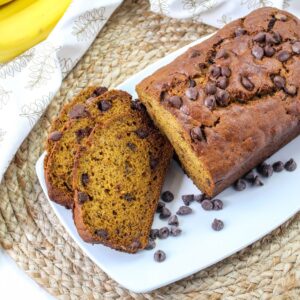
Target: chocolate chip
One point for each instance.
(160, 206)
(82, 197)
(102, 233)
(280, 17)
(249, 176)
(217, 204)
(138, 105)
(154, 234)
(195, 53)
(191, 93)
(225, 71)
(167, 196)
(296, 47)
(141, 133)
(175, 231)
(77, 111)
(173, 220)
(104, 105)
(85, 179)
(192, 83)
(210, 88)
(129, 197)
(240, 31)
(277, 38)
(265, 170)
(217, 225)
(290, 165)
(184, 210)
(257, 181)
(269, 51)
(215, 71)
(197, 134)
(271, 23)
(82, 132)
(279, 81)
(151, 245)
(131, 146)
(283, 55)
(153, 163)
(290, 90)
(175, 101)
(222, 54)
(274, 38)
(199, 198)
(260, 37)
(55, 136)
(210, 102)
(207, 204)
(163, 233)
(222, 82)
(187, 199)
(246, 83)
(278, 166)
(222, 97)
(165, 213)
(99, 91)
(240, 185)
(159, 256)
(257, 52)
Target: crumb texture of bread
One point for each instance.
(118, 175)
(231, 101)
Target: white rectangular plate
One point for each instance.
(247, 215)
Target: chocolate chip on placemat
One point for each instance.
(173, 220)
(167, 196)
(257, 181)
(283, 55)
(102, 233)
(240, 31)
(165, 213)
(78, 111)
(82, 197)
(210, 102)
(280, 17)
(85, 179)
(290, 165)
(279, 81)
(269, 51)
(175, 101)
(159, 256)
(175, 231)
(141, 133)
(225, 71)
(265, 170)
(163, 232)
(217, 204)
(290, 90)
(55, 136)
(199, 198)
(187, 199)
(207, 204)
(222, 82)
(246, 83)
(260, 37)
(99, 91)
(240, 185)
(154, 234)
(151, 245)
(222, 53)
(184, 210)
(160, 206)
(217, 225)
(191, 93)
(249, 176)
(222, 97)
(257, 52)
(296, 47)
(278, 166)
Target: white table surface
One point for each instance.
(15, 284)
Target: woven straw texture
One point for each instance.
(33, 236)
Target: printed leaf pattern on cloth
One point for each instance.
(34, 110)
(4, 97)
(224, 20)
(286, 4)
(160, 6)
(66, 65)
(16, 65)
(41, 67)
(253, 4)
(88, 24)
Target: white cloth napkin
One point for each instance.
(29, 82)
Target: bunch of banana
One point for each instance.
(25, 23)
(2, 2)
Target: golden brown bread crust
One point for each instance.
(125, 222)
(253, 108)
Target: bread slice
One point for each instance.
(118, 176)
(81, 120)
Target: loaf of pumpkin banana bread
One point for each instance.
(231, 101)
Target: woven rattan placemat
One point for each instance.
(32, 235)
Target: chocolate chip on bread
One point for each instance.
(118, 175)
(231, 101)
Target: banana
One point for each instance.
(2, 2)
(14, 7)
(28, 26)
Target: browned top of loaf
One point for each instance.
(252, 106)
(118, 175)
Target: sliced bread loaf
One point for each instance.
(118, 175)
